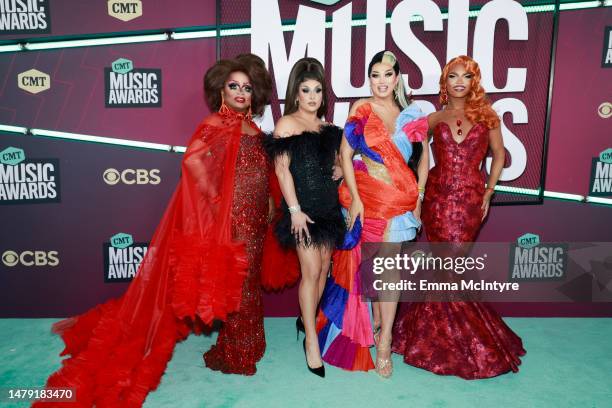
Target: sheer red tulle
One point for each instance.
(193, 273)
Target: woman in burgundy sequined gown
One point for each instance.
(241, 342)
(203, 263)
(466, 339)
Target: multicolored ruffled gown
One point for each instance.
(388, 189)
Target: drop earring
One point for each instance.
(443, 97)
(224, 109)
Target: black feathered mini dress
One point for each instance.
(312, 156)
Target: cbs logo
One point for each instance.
(30, 258)
(131, 176)
(605, 110)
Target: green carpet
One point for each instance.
(568, 364)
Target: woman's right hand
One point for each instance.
(299, 226)
(355, 211)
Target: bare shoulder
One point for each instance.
(286, 126)
(434, 118)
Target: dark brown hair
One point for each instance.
(250, 65)
(303, 70)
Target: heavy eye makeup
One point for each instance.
(467, 75)
(388, 74)
(234, 86)
(307, 90)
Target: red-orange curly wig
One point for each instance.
(477, 105)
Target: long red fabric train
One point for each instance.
(192, 274)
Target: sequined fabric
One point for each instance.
(455, 186)
(241, 342)
(466, 339)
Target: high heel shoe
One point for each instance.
(320, 371)
(384, 366)
(299, 327)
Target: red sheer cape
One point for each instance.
(192, 274)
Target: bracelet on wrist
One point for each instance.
(294, 209)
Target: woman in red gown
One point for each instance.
(466, 339)
(203, 263)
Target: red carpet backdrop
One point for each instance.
(98, 98)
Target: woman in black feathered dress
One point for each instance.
(305, 150)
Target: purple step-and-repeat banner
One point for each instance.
(76, 217)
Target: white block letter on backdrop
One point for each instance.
(267, 36)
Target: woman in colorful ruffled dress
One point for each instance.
(381, 194)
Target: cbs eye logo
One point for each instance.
(131, 176)
(30, 258)
(605, 110)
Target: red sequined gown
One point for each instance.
(241, 341)
(466, 339)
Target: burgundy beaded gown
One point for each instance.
(466, 339)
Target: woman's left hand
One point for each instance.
(417, 211)
(486, 201)
(337, 173)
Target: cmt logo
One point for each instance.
(33, 81)
(12, 155)
(528, 241)
(30, 258)
(131, 176)
(125, 10)
(122, 66)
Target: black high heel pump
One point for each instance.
(320, 371)
(299, 327)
